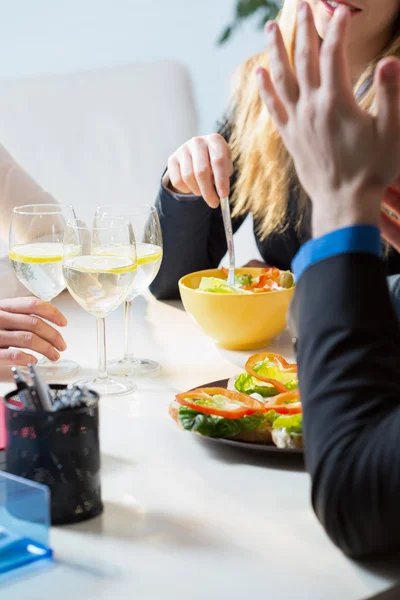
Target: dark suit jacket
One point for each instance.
(349, 371)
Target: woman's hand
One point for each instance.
(345, 157)
(22, 326)
(203, 166)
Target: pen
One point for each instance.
(44, 397)
(24, 393)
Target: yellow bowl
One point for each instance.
(236, 322)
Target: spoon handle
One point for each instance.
(226, 216)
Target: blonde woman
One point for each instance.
(25, 321)
(248, 160)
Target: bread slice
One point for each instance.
(262, 435)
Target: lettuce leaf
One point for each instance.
(247, 384)
(292, 423)
(243, 279)
(217, 401)
(219, 286)
(212, 426)
(292, 385)
(272, 416)
(269, 369)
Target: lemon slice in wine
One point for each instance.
(37, 253)
(148, 253)
(116, 265)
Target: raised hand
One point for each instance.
(344, 157)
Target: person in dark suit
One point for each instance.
(348, 337)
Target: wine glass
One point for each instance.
(99, 269)
(36, 254)
(147, 230)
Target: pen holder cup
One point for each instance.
(58, 449)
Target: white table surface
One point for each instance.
(185, 517)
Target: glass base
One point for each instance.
(108, 386)
(133, 367)
(56, 370)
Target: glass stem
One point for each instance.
(128, 326)
(101, 349)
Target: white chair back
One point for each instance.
(101, 136)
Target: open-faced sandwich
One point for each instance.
(262, 406)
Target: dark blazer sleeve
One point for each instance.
(193, 236)
(349, 372)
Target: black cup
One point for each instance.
(58, 449)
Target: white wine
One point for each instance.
(99, 283)
(38, 266)
(149, 257)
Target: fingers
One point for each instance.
(21, 326)
(388, 98)
(29, 340)
(16, 357)
(221, 163)
(334, 68)
(175, 175)
(32, 324)
(203, 166)
(390, 229)
(281, 72)
(188, 171)
(307, 51)
(271, 99)
(34, 306)
(203, 173)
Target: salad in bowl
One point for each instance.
(269, 279)
(246, 316)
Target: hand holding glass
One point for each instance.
(36, 254)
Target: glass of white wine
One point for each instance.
(36, 254)
(149, 248)
(99, 269)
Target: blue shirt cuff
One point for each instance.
(359, 239)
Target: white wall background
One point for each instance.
(53, 36)
(57, 36)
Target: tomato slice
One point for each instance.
(286, 404)
(225, 271)
(272, 272)
(245, 404)
(262, 281)
(277, 360)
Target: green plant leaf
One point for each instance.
(225, 35)
(246, 8)
(268, 9)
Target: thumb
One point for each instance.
(387, 81)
